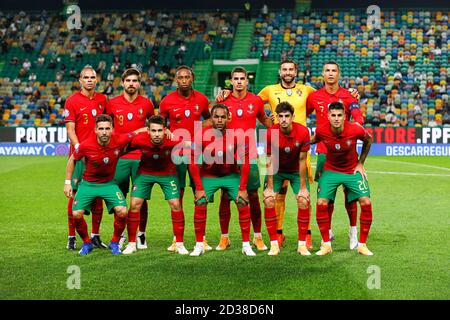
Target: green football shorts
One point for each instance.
(356, 186)
(229, 184)
(88, 191)
(182, 165)
(293, 178)
(321, 158)
(77, 174)
(142, 187)
(125, 169)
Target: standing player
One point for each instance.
(156, 166)
(221, 151)
(80, 112)
(342, 166)
(319, 101)
(287, 149)
(100, 153)
(182, 109)
(245, 107)
(130, 111)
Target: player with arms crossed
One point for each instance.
(182, 109)
(245, 107)
(156, 166)
(80, 112)
(100, 152)
(342, 166)
(318, 101)
(221, 151)
(287, 149)
(130, 111)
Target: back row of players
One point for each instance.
(102, 164)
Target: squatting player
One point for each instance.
(156, 167)
(221, 151)
(342, 166)
(80, 112)
(182, 109)
(100, 153)
(287, 149)
(245, 107)
(130, 111)
(318, 101)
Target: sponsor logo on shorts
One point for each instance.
(135, 187)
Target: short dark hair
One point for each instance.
(284, 107)
(239, 69)
(336, 106)
(288, 61)
(220, 106)
(333, 62)
(87, 67)
(185, 67)
(130, 72)
(103, 118)
(157, 119)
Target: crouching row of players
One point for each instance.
(288, 144)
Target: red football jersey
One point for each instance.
(130, 116)
(156, 159)
(341, 149)
(289, 146)
(220, 156)
(101, 161)
(321, 99)
(184, 112)
(83, 110)
(244, 113)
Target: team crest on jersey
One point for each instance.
(116, 152)
(337, 146)
(289, 92)
(287, 149)
(94, 112)
(240, 112)
(106, 160)
(129, 116)
(187, 113)
(156, 156)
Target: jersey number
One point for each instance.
(85, 118)
(120, 119)
(119, 196)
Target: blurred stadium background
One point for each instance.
(401, 70)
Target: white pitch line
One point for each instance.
(411, 163)
(411, 173)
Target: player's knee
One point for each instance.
(364, 201)
(121, 212)
(269, 202)
(175, 205)
(136, 204)
(78, 214)
(302, 203)
(322, 201)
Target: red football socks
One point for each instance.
(178, 225)
(224, 215)
(119, 225)
(97, 215)
(199, 222)
(81, 226)
(255, 212)
(323, 220)
(365, 221)
(302, 223)
(270, 217)
(132, 225)
(70, 222)
(244, 222)
(352, 211)
(143, 217)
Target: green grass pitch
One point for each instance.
(409, 238)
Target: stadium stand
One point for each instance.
(401, 71)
